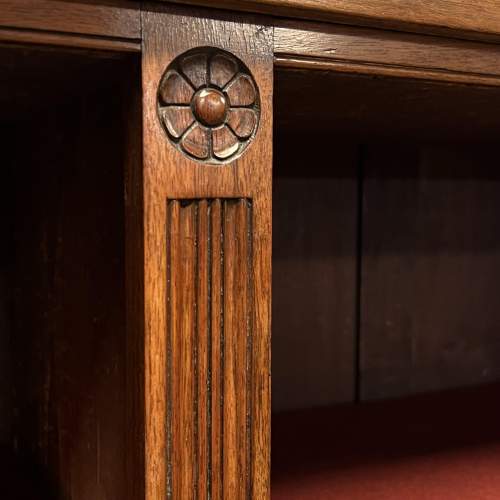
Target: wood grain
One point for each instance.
(238, 339)
(452, 17)
(203, 352)
(32, 37)
(134, 283)
(198, 348)
(110, 18)
(350, 68)
(370, 109)
(320, 46)
(186, 282)
(431, 269)
(217, 348)
(68, 317)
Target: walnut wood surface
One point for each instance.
(111, 18)
(43, 38)
(457, 17)
(370, 51)
(186, 201)
(209, 105)
(210, 332)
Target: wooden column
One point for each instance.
(207, 254)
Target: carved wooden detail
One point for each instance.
(210, 315)
(207, 255)
(209, 105)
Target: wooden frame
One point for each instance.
(377, 52)
(196, 210)
(199, 235)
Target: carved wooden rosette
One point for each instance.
(208, 104)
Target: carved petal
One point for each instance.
(225, 143)
(196, 142)
(242, 121)
(222, 69)
(195, 68)
(242, 91)
(175, 90)
(177, 119)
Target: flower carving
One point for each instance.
(209, 106)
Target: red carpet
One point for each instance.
(433, 447)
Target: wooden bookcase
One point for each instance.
(176, 175)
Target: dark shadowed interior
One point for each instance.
(62, 273)
(386, 278)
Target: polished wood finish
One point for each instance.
(385, 71)
(376, 52)
(42, 38)
(210, 331)
(442, 16)
(186, 202)
(179, 401)
(110, 18)
(210, 107)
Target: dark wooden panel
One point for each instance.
(27, 73)
(69, 314)
(376, 108)
(314, 275)
(431, 269)
(6, 256)
(131, 94)
(5, 357)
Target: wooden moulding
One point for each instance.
(457, 18)
(377, 52)
(92, 24)
(207, 278)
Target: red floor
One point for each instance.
(433, 447)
